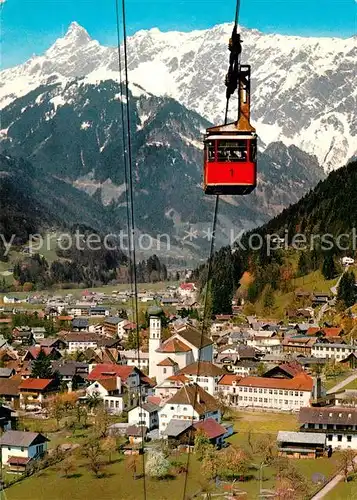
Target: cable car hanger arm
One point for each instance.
(235, 48)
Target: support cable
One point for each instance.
(126, 178)
(232, 83)
(132, 220)
(203, 331)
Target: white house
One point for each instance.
(191, 402)
(19, 448)
(265, 392)
(131, 358)
(339, 425)
(205, 374)
(146, 414)
(347, 261)
(110, 391)
(187, 290)
(81, 341)
(166, 368)
(38, 333)
(325, 350)
(265, 341)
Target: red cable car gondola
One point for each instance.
(230, 151)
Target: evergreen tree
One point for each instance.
(41, 367)
(346, 293)
(222, 282)
(329, 270)
(268, 299)
(303, 265)
(132, 341)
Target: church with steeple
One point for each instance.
(184, 347)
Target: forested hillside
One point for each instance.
(314, 233)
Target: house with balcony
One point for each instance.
(38, 333)
(113, 326)
(338, 424)
(34, 391)
(80, 341)
(300, 344)
(131, 377)
(133, 358)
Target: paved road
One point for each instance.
(342, 384)
(321, 313)
(326, 306)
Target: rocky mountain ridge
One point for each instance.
(303, 88)
(73, 132)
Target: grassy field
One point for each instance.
(117, 481)
(263, 422)
(312, 282)
(351, 385)
(76, 292)
(270, 423)
(343, 491)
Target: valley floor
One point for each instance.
(117, 482)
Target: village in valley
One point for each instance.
(258, 407)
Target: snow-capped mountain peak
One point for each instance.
(75, 37)
(303, 89)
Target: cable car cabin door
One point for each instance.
(230, 165)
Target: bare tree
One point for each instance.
(132, 464)
(101, 422)
(210, 464)
(222, 402)
(68, 466)
(346, 461)
(235, 462)
(109, 446)
(93, 452)
(291, 484)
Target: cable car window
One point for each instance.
(253, 151)
(229, 151)
(210, 150)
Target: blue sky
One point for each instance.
(31, 26)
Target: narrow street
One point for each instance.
(342, 384)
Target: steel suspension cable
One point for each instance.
(208, 283)
(203, 331)
(132, 222)
(126, 178)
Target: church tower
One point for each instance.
(154, 343)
